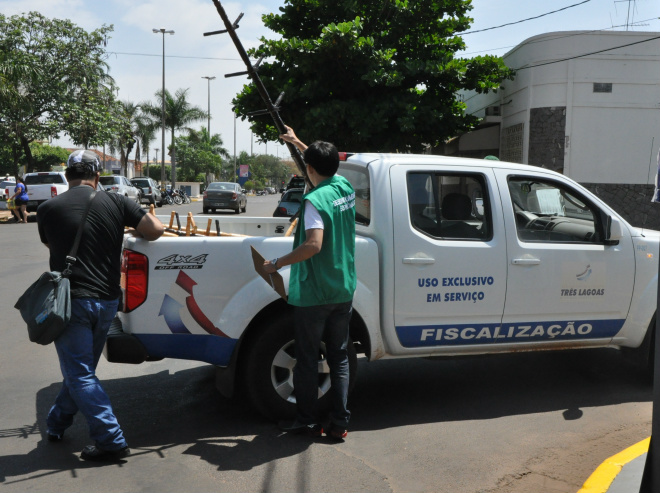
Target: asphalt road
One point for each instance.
(521, 423)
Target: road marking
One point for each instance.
(602, 478)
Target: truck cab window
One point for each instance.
(549, 212)
(359, 180)
(449, 206)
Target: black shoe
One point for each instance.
(52, 437)
(297, 428)
(335, 432)
(93, 453)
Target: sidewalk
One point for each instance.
(621, 473)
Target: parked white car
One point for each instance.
(7, 189)
(121, 185)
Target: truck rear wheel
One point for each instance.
(268, 374)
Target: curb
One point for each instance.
(601, 479)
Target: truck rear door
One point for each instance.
(450, 261)
(566, 285)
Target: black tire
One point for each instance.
(268, 371)
(205, 210)
(152, 201)
(237, 210)
(160, 204)
(642, 358)
(244, 208)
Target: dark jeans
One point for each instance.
(312, 325)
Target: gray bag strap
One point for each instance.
(71, 258)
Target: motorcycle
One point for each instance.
(184, 196)
(167, 195)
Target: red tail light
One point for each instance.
(205, 194)
(134, 279)
(234, 196)
(53, 192)
(282, 211)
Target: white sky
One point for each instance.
(136, 59)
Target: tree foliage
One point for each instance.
(370, 75)
(53, 79)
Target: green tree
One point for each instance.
(128, 115)
(198, 154)
(370, 75)
(178, 114)
(46, 156)
(145, 135)
(53, 79)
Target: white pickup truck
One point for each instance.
(42, 186)
(454, 257)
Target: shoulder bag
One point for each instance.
(46, 304)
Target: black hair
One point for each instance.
(20, 180)
(323, 157)
(80, 171)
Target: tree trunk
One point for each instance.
(28, 154)
(173, 162)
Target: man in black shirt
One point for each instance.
(94, 296)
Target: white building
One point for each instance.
(585, 103)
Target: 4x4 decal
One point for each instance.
(177, 261)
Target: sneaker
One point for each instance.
(297, 428)
(336, 432)
(93, 453)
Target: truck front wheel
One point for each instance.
(268, 374)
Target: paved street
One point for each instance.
(521, 423)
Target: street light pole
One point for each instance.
(235, 168)
(162, 30)
(208, 128)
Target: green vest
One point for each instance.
(329, 276)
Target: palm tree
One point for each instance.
(178, 114)
(145, 134)
(214, 144)
(125, 140)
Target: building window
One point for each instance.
(602, 87)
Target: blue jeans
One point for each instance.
(330, 324)
(79, 349)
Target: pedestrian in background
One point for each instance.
(20, 199)
(321, 288)
(94, 297)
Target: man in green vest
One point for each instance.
(321, 287)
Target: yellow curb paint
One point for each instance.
(602, 478)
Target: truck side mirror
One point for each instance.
(614, 232)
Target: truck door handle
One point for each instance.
(418, 260)
(526, 261)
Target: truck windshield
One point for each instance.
(43, 179)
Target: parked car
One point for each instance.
(289, 203)
(43, 186)
(121, 185)
(224, 195)
(7, 189)
(150, 191)
(295, 182)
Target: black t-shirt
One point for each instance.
(97, 269)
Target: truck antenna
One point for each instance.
(252, 71)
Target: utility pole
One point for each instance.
(163, 31)
(208, 128)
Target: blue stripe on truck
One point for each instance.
(211, 349)
(472, 334)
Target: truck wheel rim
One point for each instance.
(281, 372)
